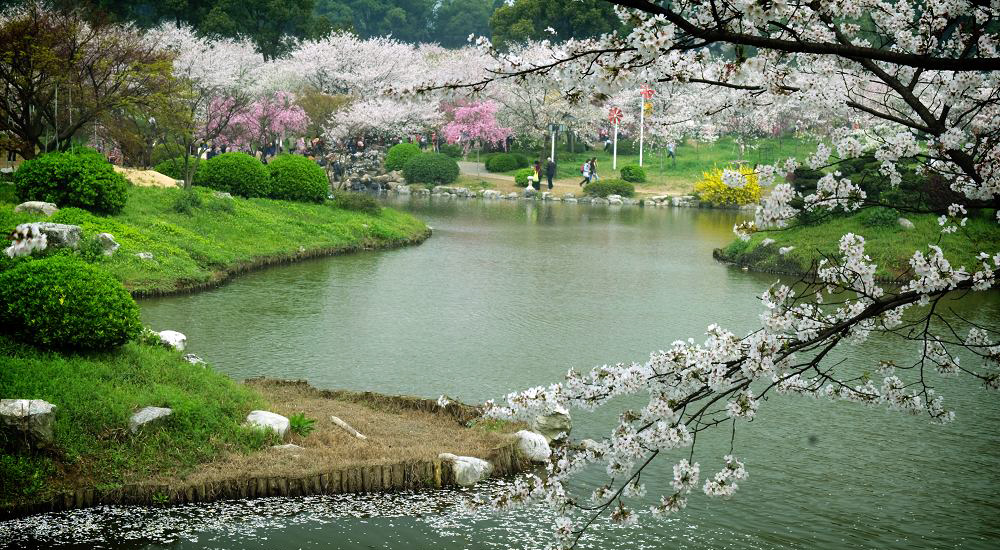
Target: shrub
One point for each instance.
(62, 302)
(301, 425)
(236, 173)
(804, 179)
(521, 176)
(296, 178)
(633, 173)
(603, 188)
(522, 160)
(504, 162)
(359, 202)
(165, 151)
(430, 168)
(880, 216)
(713, 190)
(175, 167)
(450, 149)
(396, 157)
(84, 179)
(186, 202)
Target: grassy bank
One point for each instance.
(204, 441)
(202, 241)
(889, 247)
(97, 393)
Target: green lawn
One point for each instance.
(889, 247)
(693, 158)
(97, 393)
(202, 243)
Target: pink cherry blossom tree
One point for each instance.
(475, 123)
(269, 118)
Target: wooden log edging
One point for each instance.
(507, 460)
(416, 475)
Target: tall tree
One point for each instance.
(406, 20)
(455, 20)
(59, 74)
(272, 25)
(526, 20)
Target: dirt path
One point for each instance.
(475, 171)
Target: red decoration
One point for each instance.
(646, 92)
(615, 115)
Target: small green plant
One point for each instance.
(453, 151)
(880, 216)
(603, 188)
(186, 202)
(633, 173)
(236, 173)
(22, 475)
(521, 177)
(301, 425)
(504, 162)
(84, 179)
(431, 168)
(91, 250)
(359, 202)
(160, 498)
(62, 302)
(396, 157)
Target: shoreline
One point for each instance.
(220, 278)
(309, 478)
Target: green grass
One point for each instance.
(96, 394)
(693, 158)
(219, 235)
(890, 248)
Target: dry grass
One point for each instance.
(395, 435)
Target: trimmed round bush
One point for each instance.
(431, 168)
(236, 173)
(603, 188)
(296, 178)
(83, 178)
(633, 173)
(62, 302)
(175, 167)
(521, 176)
(396, 157)
(450, 149)
(505, 162)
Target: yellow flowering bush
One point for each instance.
(713, 190)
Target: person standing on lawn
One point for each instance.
(550, 171)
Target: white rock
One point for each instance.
(221, 195)
(287, 447)
(108, 243)
(533, 445)
(37, 207)
(570, 199)
(30, 419)
(614, 197)
(588, 444)
(268, 421)
(767, 242)
(147, 415)
(403, 190)
(554, 425)
(546, 196)
(785, 250)
(569, 196)
(616, 202)
(469, 470)
(144, 255)
(193, 359)
(173, 339)
(598, 200)
(57, 234)
(512, 195)
(905, 223)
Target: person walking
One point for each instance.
(538, 176)
(672, 154)
(593, 169)
(585, 170)
(550, 171)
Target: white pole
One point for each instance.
(614, 150)
(552, 155)
(642, 125)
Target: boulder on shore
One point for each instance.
(469, 470)
(28, 422)
(905, 223)
(269, 421)
(59, 235)
(555, 425)
(173, 339)
(37, 207)
(146, 415)
(108, 243)
(533, 446)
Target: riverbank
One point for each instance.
(797, 250)
(171, 241)
(204, 450)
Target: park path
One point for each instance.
(478, 170)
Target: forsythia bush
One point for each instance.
(713, 190)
